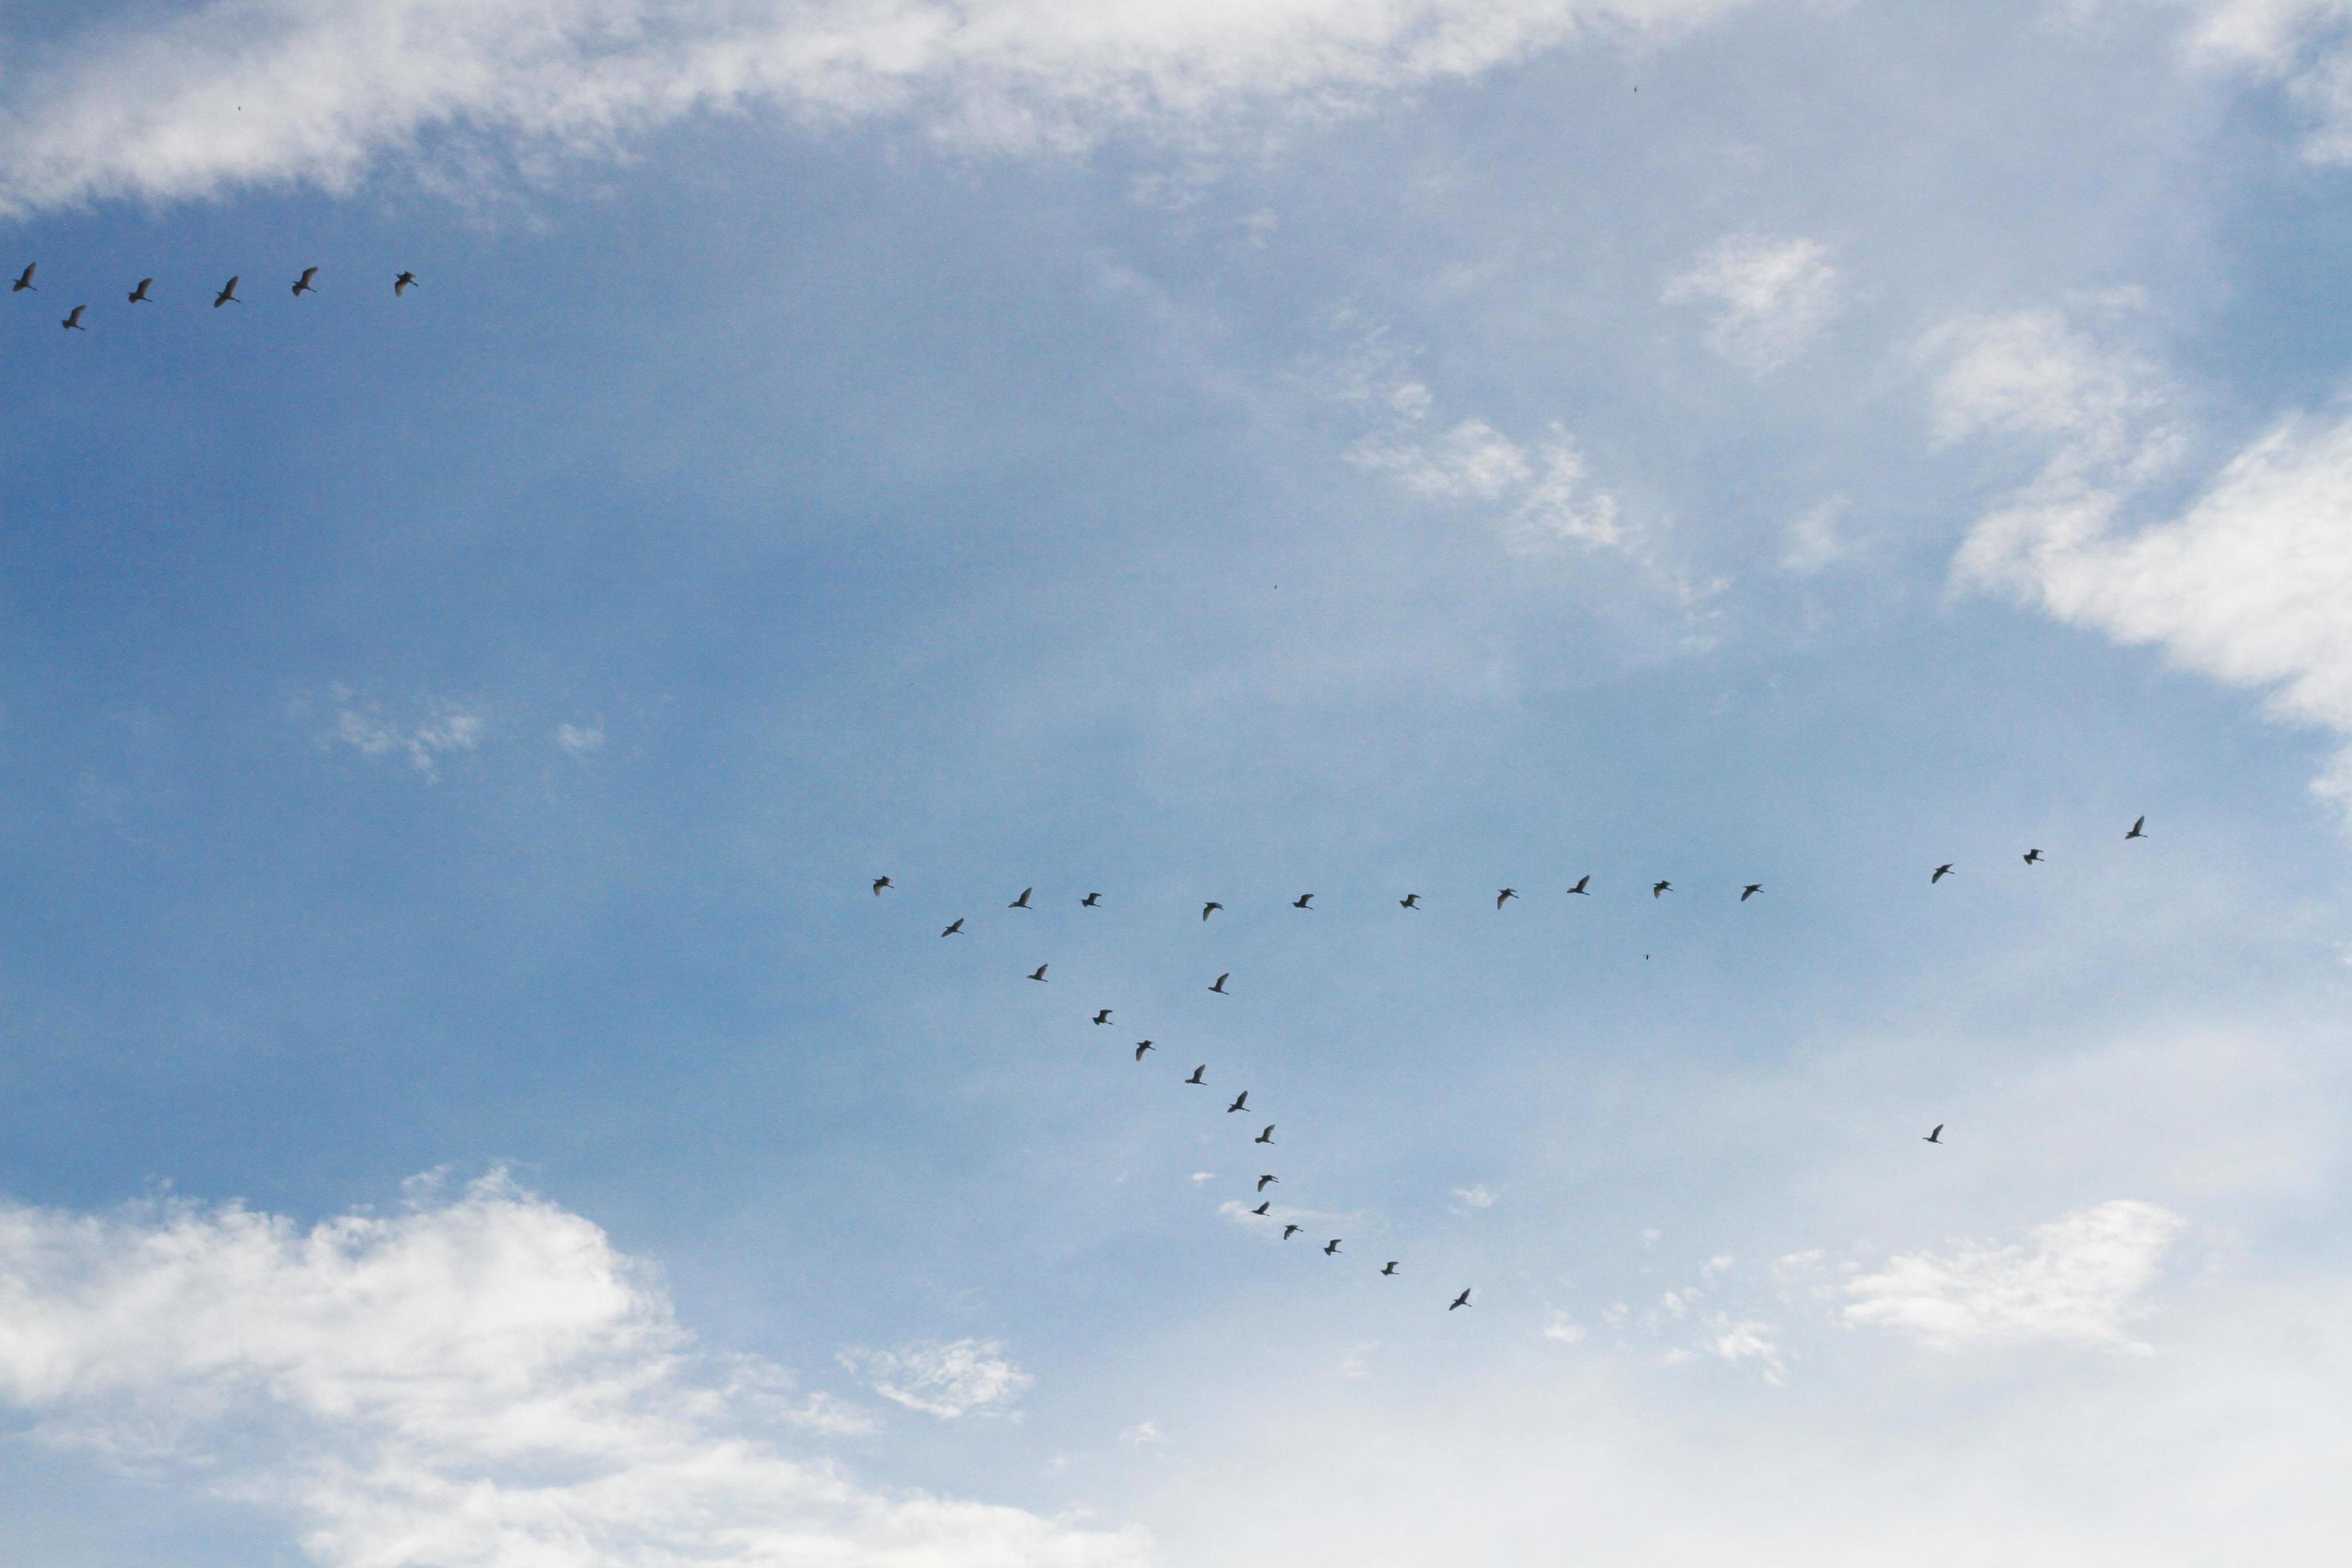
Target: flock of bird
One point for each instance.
(308, 283)
(1199, 1076)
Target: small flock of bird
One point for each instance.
(1305, 902)
(308, 283)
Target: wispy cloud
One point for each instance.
(441, 730)
(948, 1380)
(581, 741)
(1771, 298)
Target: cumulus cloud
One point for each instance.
(2303, 46)
(581, 741)
(2076, 1280)
(946, 1380)
(472, 1382)
(1476, 1196)
(443, 729)
(1771, 298)
(167, 106)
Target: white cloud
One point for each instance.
(581, 741)
(946, 1380)
(2077, 1279)
(273, 93)
(1476, 1197)
(2303, 46)
(445, 729)
(1771, 297)
(473, 1383)
(1745, 1340)
(1143, 1435)
(1561, 1329)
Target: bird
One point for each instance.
(1265, 1181)
(1090, 900)
(1288, 1231)
(1040, 974)
(880, 883)
(72, 322)
(1934, 1137)
(1410, 901)
(1389, 1269)
(1022, 901)
(1942, 871)
(1260, 1208)
(1580, 887)
(1332, 1248)
(2034, 857)
(1241, 1102)
(1142, 1047)
(1211, 906)
(227, 296)
(1750, 891)
(23, 279)
(1103, 1016)
(403, 284)
(1505, 896)
(138, 296)
(1302, 901)
(1199, 1075)
(1220, 986)
(1659, 890)
(1267, 1136)
(1461, 1300)
(955, 929)
(2138, 830)
(303, 285)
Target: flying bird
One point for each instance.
(1241, 1102)
(2139, 830)
(1332, 1248)
(1659, 890)
(1750, 891)
(1211, 906)
(880, 883)
(303, 285)
(1265, 1181)
(1581, 881)
(1288, 1231)
(1461, 1300)
(227, 296)
(1302, 901)
(1022, 901)
(1142, 1047)
(1506, 896)
(955, 929)
(72, 322)
(1199, 1075)
(23, 278)
(1942, 871)
(1934, 1137)
(1410, 901)
(403, 284)
(1220, 986)
(1090, 900)
(138, 296)
(1260, 1208)
(1267, 1136)
(2034, 857)
(1103, 1016)
(1040, 974)
(1389, 1269)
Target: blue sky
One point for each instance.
(462, 1105)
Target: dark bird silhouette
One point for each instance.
(1265, 1181)
(1659, 890)
(2034, 857)
(138, 296)
(1220, 986)
(227, 296)
(2139, 830)
(1090, 900)
(403, 284)
(1199, 1075)
(72, 322)
(955, 929)
(303, 285)
(1410, 901)
(1260, 1210)
(1211, 906)
(1288, 1231)
(1332, 1248)
(1022, 901)
(1103, 1016)
(1302, 901)
(1942, 871)
(1142, 1047)
(1039, 974)
(1750, 891)
(1389, 1269)
(1505, 896)
(1267, 1136)
(1241, 1102)
(1461, 1300)
(1580, 887)
(880, 883)
(1934, 1137)
(23, 279)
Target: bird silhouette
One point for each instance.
(880, 883)
(1220, 986)
(138, 296)
(1103, 1016)
(1389, 1269)
(1332, 1248)
(1199, 1075)
(227, 296)
(1505, 896)
(1142, 1047)
(403, 284)
(1461, 1300)
(1750, 891)
(955, 929)
(1288, 1231)
(2034, 857)
(1410, 901)
(1241, 1102)
(1659, 890)
(1265, 1181)
(1260, 1210)
(1211, 906)
(1934, 1137)
(1267, 1136)
(1090, 900)
(1942, 871)
(1039, 974)
(303, 285)
(72, 322)
(1302, 901)
(1022, 901)
(23, 279)
(1581, 882)
(2139, 830)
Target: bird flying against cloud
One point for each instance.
(1461, 1300)
(1022, 901)
(1505, 896)
(1241, 1102)
(1934, 1137)
(1220, 986)
(303, 285)
(1260, 1210)
(954, 930)
(2139, 830)
(72, 322)
(227, 296)
(138, 296)
(1942, 871)
(1040, 972)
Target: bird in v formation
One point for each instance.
(307, 283)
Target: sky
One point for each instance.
(463, 1106)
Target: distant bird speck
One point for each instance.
(1090, 900)
(403, 284)
(1022, 901)
(1942, 871)
(1659, 890)
(1265, 1181)
(1267, 1136)
(1241, 1102)
(2034, 857)
(72, 322)
(1390, 1269)
(303, 285)
(1260, 1210)
(1934, 1137)
(1103, 1016)
(1199, 1075)
(1332, 1248)
(1289, 1230)
(2139, 830)
(954, 930)
(880, 883)
(1142, 1047)
(1039, 975)
(1750, 891)
(1410, 901)
(1505, 896)
(138, 296)
(1461, 1300)
(1220, 986)
(1302, 901)
(1211, 906)
(23, 278)
(1580, 885)
(227, 296)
